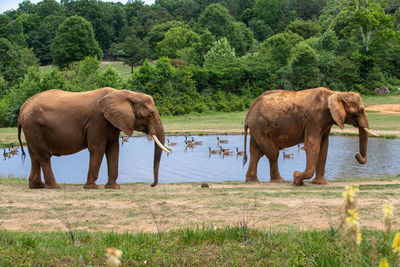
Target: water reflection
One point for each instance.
(197, 164)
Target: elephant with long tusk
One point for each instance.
(279, 119)
(60, 123)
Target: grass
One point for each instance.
(197, 246)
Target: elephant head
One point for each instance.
(129, 111)
(349, 108)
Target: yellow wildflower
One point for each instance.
(388, 211)
(359, 236)
(352, 220)
(396, 243)
(350, 193)
(383, 263)
(113, 256)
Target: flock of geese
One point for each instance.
(11, 152)
(192, 143)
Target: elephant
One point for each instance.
(57, 122)
(383, 90)
(279, 119)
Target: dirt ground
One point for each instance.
(136, 207)
(386, 108)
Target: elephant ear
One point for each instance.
(335, 105)
(118, 110)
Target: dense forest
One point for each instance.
(196, 56)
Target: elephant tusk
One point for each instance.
(371, 132)
(159, 144)
(167, 147)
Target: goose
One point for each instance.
(225, 151)
(197, 143)
(13, 151)
(239, 153)
(221, 141)
(189, 144)
(287, 156)
(124, 139)
(213, 151)
(188, 141)
(5, 154)
(300, 147)
(171, 144)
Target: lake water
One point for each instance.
(197, 165)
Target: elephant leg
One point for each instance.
(49, 180)
(96, 157)
(271, 150)
(35, 180)
(255, 155)
(319, 179)
(312, 146)
(112, 153)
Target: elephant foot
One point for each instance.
(90, 186)
(277, 180)
(297, 178)
(112, 186)
(36, 184)
(252, 178)
(319, 181)
(52, 186)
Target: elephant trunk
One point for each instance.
(157, 152)
(363, 139)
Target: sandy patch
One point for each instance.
(386, 108)
(134, 208)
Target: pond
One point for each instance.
(197, 165)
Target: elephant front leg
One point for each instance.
(112, 153)
(319, 179)
(96, 157)
(312, 148)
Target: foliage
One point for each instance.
(176, 39)
(305, 29)
(219, 51)
(110, 78)
(74, 41)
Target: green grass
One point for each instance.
(201, 246)
(379, 100)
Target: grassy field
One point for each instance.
(227, 224)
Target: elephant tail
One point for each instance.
(245, 143)
(20, 142)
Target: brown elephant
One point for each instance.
(279, 119)
(59, 123)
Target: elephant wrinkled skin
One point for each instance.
(59, 123)
(279, 119)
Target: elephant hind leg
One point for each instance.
(255, 155)
(49, 180)
(35, 180)
(271, 151)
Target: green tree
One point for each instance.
(219, 51)
(270, 11)
(277, 48)
(176, 39)
(134, 50)
(157, 32)
(74, 41)
(305, 29)
(110, 78)
(303, 67)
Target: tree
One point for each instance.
(176, 39)
(305, 29)
(219, 51)
(269, 11)
(303, 64)
(134, 50)
(42, 38)
(157, 32)
(74, 41)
